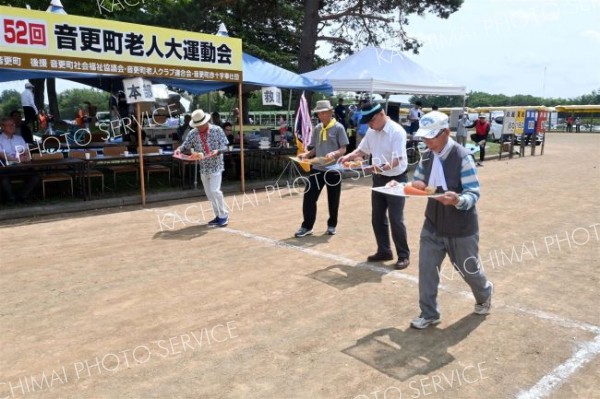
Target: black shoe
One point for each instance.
(378, 257)
(331, 231)
(402, 264)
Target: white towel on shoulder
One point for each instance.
(437, 178)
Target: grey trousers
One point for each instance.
(464, 255)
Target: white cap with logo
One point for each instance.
(431, 123)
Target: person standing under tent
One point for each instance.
(207, 143)
(29, 109)
(578, 125)
(340, 113)
(569, 124)
(329, 140)
(414, 115)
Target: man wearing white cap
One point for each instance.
(328, 140)
(29, 109)
(385, 141)
(206, 143)
(451, 223)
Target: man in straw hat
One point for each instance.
(451, 223)
(386, 142)
(206, 143)
(328, 140)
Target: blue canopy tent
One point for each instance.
(256, 73)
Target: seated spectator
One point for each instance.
(216, 119)
(21, 129)
(14, 149)
(80, 118)
(184, 129)
(228, 130)
(43, 121)
(131, 131)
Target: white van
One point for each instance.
(496, 125)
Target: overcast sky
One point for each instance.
(503, 46)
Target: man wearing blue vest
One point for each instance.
(451, 223)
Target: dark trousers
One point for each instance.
(316, 181)
(477, 139)
(30, 183)
(383, 205)
(414, 126)
(31, 117)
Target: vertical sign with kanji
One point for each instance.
(519, 121)
(508, 124)
(271, 96)
(138, 90)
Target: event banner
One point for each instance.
(40, 40)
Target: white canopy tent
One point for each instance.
(382, 71)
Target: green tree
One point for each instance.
(351, 24)
(69, 101)
(10, 100)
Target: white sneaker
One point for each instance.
(484, 308)
(422, 323)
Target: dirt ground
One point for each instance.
(151, 303)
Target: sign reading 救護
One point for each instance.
(46, 41)
(138, 90)
(271, 96)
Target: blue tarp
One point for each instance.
(256, 73)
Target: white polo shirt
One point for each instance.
(10, 145)
(386, 145)
(27, 100)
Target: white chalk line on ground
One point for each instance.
(544, 387)
(560, 374)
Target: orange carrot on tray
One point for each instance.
(410, 190)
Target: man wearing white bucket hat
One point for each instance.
(451, 223)
(208, 143)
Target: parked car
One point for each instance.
(496, 127)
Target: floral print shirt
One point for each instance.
(216, 141)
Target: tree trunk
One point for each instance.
(308, 44)
(52, 98)
(38, 92)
